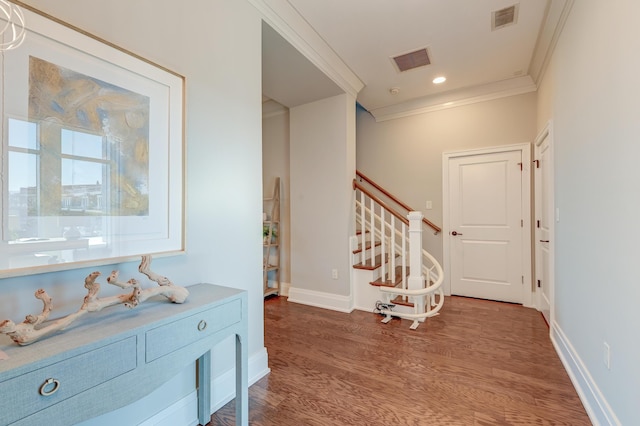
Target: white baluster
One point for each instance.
(383, 242)
(372, 228)
(392, 243)
(363, 227)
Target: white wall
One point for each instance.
(216, 45)
(594, 90)
(405, 155)
(322, 167)
(275, 163)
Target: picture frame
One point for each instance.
(92, 152)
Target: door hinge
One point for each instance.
(539, 284)
(520, 164)
(522, 278)
(521, 223)
(537, 224)
(537, 163)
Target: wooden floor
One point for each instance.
(478, 363)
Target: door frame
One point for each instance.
(527, 263)
(547, 132)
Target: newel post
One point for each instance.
(416, 279)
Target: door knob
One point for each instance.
(454, 233)
(544, 241)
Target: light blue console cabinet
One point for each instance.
(109, 359)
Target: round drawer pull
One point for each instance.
(49, 387)
(202, 325)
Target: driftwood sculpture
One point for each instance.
(33, 327)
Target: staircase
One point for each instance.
(392, 272)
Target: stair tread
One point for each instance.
(367, 266)
(366, 247)
(380, 282)
(402, 300)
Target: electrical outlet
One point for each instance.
(334, 274)
(607, 356)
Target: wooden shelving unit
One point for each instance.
(271, 243)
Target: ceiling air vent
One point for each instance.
(411, 60)
(504, 17)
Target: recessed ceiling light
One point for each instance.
(439, 80)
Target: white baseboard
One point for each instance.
(223, 389)
(284, 289)
(594, 402)
(331, 301)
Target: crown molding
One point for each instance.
(456, 98)
(555, 18)
(283, 18)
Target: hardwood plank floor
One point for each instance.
(478, 363)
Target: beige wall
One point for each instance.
(405, 155)
(322, 165)
(275, 163)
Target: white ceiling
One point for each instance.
(478, 62)
(289, 77)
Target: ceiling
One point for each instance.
(478, 62)
(289, 77)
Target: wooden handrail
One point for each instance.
(398, 216)
(397, 201)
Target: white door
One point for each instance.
(543, 224)
(485, 223)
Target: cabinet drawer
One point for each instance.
(22, 395)
(165, 339)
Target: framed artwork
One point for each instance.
(92, 152)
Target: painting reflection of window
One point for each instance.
(83, 172)
(23, 179)
(76, 169)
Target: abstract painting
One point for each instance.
(62, 99)
(92, 152)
